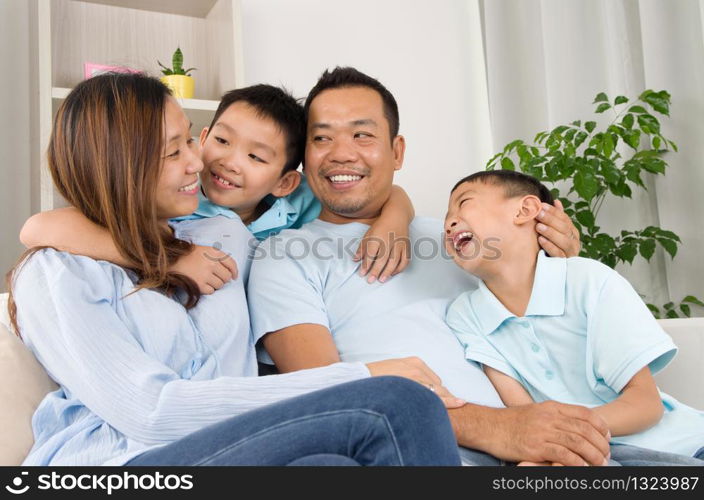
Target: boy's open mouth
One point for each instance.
(459, 240)
(344, 180)
(222, 182)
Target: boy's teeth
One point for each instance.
(190, 187)
(227, 183)
(460, 237)
(345, 178)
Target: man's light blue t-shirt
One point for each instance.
(288, 212)
(585, 334)
(309, 276)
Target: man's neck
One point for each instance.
(334, 218)
(512, 283)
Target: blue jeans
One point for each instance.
(632, 455)
(621, 454)
(375, 421)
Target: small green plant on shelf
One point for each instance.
(588, 161)
(176, 65)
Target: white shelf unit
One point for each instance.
(132, 33)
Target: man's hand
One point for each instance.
(415, 369)
(558, 235)
(208, 267)
(543, 432)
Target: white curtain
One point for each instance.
(545, 60)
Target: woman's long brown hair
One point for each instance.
(105, 156)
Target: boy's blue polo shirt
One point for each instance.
(289, 212)
(585, 334)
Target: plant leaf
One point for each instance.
(654, 310)
(647, 248)
(648, 123)
(177, 61)
(686, 310)
(669, 245)
(637, 109)
(601, 97)
(627, 121)
(691, 299)
(602, 107)
(585, 183)
(580, 138)
(654, 165)
(507, 164)
(627, 252)
(620, 100)
(631, 137)
(586, 218)
(608, 145)
(660, 101)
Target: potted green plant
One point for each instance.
(589, 163)
(179, 80)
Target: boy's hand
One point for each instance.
(558, 235)
(208, 267)
(384, 251)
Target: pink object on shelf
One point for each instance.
(92, 69)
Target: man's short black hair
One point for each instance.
(343, 77)
(278, 105)
(514, 184)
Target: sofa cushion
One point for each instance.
(23, 384)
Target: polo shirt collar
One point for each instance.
(547, 297)
(207, 208)
(280, 215)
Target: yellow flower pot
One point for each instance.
(182, 86)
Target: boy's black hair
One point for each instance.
(514, 183)
(343, 77)
(278, 105)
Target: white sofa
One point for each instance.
(24, 381)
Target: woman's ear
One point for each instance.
(287, 184)
(528, 209)
(203, 136)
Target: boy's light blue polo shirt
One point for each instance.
(288, 212)
(585, 334)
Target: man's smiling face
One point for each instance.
(350, 158)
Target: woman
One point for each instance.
(150, 373)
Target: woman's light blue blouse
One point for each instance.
(136, 370)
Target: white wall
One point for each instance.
(14, 129)
(428, 54)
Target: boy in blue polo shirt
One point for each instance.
(250, 155)
(569, 330)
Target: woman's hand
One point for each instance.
(415, 369)
(558, 235)
(208, 267)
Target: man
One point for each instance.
(310, 308)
